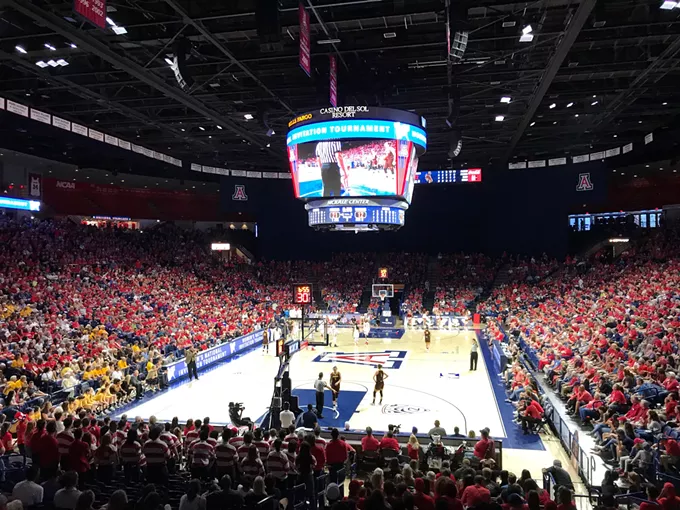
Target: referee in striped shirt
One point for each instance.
(327, 152)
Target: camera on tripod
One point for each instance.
(236, 415)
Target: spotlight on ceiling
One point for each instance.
(526, 38)
(668, 5)
(500, 118)
(20, 49)
(553, 105)
(248, 116)
(527, 30)
(505, 99)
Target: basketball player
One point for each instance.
(334, 334)
(388, 162)
(367, 328)
(328, 154)
(427, 339)
(379, 380)
(355, 333)
(336, 379)
(265, 340)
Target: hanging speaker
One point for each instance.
(267, 21)
(180, 68)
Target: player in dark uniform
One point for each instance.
(336, 379)
(265, 340)
(379, 380)
(427, 338)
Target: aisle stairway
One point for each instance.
(503, 276)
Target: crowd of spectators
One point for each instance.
(605, 334)
(462, 278)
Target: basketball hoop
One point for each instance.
(382, 294)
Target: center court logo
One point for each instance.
(386, 359)
(403, 409)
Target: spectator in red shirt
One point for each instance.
(476, 495)
(672, 455)
(390, 443)
(318, 453)
(369, 443)
(337, 451)
(48, 450)
(79, 453)
(532, 414)
(484, 447)
(564, 499)
(422, 501)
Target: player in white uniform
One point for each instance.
(334, 334)
(355, 333)
(367, 328)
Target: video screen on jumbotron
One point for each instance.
(355, 157)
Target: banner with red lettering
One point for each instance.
(305, 41)
(334, 81)
(93, 11)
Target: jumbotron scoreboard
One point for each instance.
(355, 166)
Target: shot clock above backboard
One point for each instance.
(302, 293)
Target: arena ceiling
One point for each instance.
(594, 71)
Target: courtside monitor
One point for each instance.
(355, 152)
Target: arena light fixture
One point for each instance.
(248, 116)
(500, 118)
(73, 45)
(62, 62)
(53, 63)
(668, 5)
(594, 103)
(110, 21)
(20, 49)
(50, 47)
(527, 29)
(328, 41)
(169, 62)
(506, 99)
(201, 128)
(619, 240)
(532, 124)
(41, 64)
(526, 38)
(553, 105)
(219, 127)
(119, 30)
(220, 246)
(570, 105)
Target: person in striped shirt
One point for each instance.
(201, 455)
(245, 447)
(173, 445)
(277, 462)
(157, 454)
(235, 440)
(252, 466)
(318, 440)
(261, 445)
(131, 457)
(328, 154)
(106, 459)
(214, 438)
(65, 439)
(192, 435)
(226, 456)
